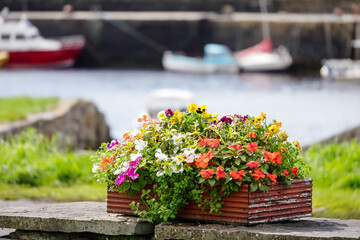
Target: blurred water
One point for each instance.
(309, 108)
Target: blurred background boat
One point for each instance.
(262, 57)
(4, 56)
(27, 48)
(217, 58)
(341, 69)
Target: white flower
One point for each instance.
(190, 155)
(140, 144)
(117, 172)
(134, 156)
(160, 173)
(95, 168)
(160, 155)
(134, 132)
(161, 116)
(177, 138)
(124, 166)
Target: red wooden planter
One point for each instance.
(245, 207)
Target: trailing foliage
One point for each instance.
(18, 108)
(188, 155)
(32, 159)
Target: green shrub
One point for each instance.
(35, 160)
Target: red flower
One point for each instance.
(202, 142)
(220, 172)
(258, 174)
(212, 142)
(203, 161)
(252, 147)
(252, 164)
(276, 157)
(294, 171)
(252, 135)
(286, 172)
(272, 177)
(267, 155)
(206, 173)
(236, 146)
(237, 175)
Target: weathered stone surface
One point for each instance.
(72, 218)
(306, 228)
(78, 120)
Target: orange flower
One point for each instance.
(126, 137)
(143, 119)
(202, 142)
(286, 172)
(258, 174)
(294, 171)
(275, 157)
(105, 160)
(203, 161)
(252, 147)
(236, 146)
(252, 164)
(206, 173)
(272, 177)
(212, 142)
(252, 134)
(237, 175)
(220, 172)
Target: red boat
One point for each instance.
(27, 48)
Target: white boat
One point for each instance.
(27, 48)
(258, 61)
(217, 58)
(341, 69)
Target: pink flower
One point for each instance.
(132, 174)
(135, 162)
(113, 143)
(121, 178)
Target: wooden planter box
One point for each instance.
(244, 207)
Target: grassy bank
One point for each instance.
(17, 108)
(33, 166)
(336, 175)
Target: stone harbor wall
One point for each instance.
(78, 123)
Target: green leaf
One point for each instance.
(237, 161)
(136, 186)
(253, 187)
(211, 182)
(202, 180)
(243, 157)
(147, 137)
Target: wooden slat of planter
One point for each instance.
(280, 203)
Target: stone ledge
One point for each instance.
(72, 218)
(306, 228)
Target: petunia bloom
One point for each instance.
(169, 113)
(252, 147)
(252, 134)
(135, 162)
(206, 173)
(272, 177)
(286, 172)
(274, 157)
(252, 164)
(113, 143)
(212, 142)
(105, 160)
(220, 172)
(294, 171)
(258, 174)
(120, 179)
(237, 175)
(201, 142)
(132, 174)
(236, 146)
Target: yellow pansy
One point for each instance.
(273, 128)
(192, 107)
(296, 143)
(284, 134)
(178, 115)
(201, 109)
(262, 116)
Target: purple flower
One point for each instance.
(169, 113)
(135, 162)
(132, 174)
(121, 178)
(243, 119)
(113, 143)
(226, 119)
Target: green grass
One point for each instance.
(336, 179)
(33, 166)
(17, 108)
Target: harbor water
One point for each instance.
(311, 109)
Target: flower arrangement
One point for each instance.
(185, 155)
